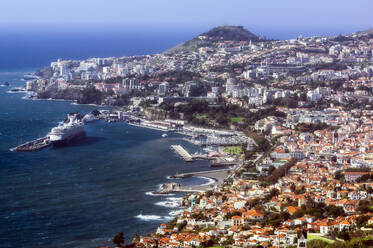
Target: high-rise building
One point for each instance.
(131, 83)
(163, 88)
(230, 85)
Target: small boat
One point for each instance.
(17, 90)
(164, 135)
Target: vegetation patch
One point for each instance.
(201, 117)
(312, 237)
(236, 119)
(237, 150)
(217, 114)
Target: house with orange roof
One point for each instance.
(344, 225)
(148, 242)
(237, 220)
(327, 226)
(253, 214)
(292, 209)
(351, 176)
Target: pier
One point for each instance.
(182, 153)
(210, 173)
(217, 175)
(34, 145)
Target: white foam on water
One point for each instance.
(176, 212)
(90, 104)
(174, 199)
(210, 181)
(153, 217)
(169, 178)
(168, 204)
(154, 194)
(171, 202)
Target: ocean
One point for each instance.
(81, 195)
(36, 47)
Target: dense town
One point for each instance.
(307, 105)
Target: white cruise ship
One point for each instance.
(71, 129)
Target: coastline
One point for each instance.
(212, 181)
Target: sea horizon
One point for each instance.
(37, 46)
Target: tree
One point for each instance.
(271, 169)
(90, 95)
(221, 119)
(363, 178)
(335, 211)
(279, 172)
(274, 192)
(362, 220)
(338, 175)
(228, 241)
(122, 100)
(370, 190)
(119, 239)
(364, 206)
(343, 235)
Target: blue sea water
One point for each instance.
(22, 47)
(80, 195)
(37, 46)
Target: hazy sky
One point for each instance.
(340, 14)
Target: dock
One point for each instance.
(33, 145)
(223, 163)
(209, 173)
(182, 153)
(217, 175)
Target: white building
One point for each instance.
(163, 88)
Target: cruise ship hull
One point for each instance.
(68, 140)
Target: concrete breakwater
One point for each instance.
(182, 153)
(33, 145)
(217, 176)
